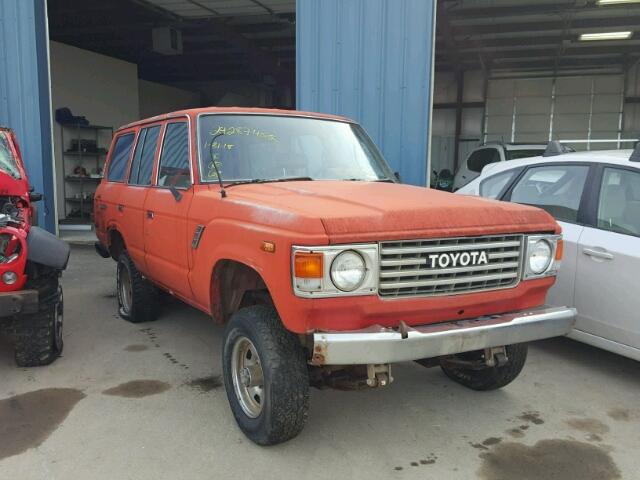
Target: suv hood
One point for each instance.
(373, 211)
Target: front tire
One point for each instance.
(38, 336)
(138, 299)
(265, 376)
(489, 378)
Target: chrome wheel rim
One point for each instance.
(125, 289)
(248, 377)
(59, 320)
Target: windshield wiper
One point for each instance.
(269, 180)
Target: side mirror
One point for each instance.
(397, 175)
(35, 196)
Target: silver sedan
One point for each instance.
(595, 196)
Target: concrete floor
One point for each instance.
(573, 413)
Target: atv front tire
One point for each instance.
(38, 336)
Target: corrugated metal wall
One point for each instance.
(24, 93)
(371, 60)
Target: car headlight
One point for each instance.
(9, 278)
(543, 255)
(336, 270)
(348, 270)
(539, 256)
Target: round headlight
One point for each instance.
(9, 278)
(348, 271)
(539, 256)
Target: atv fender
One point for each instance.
(47, 249)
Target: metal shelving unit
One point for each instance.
(79, 188)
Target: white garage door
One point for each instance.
(538, 110)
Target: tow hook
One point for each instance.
(379, 375)
(495, 357)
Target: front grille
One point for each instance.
(446, 266)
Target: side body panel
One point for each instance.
(166, 239)
(607, 286)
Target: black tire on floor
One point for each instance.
(38, 336)
(284, 389)
(138, 299)
(490, 378)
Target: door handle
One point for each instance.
(120, 207)
(149, 214)
(601, 254)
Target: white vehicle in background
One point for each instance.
(595, 196)
(492, 153)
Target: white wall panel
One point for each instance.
(101, 88)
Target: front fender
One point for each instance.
(226, 239)
(46, 249)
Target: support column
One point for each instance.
(372, 61)
(25, 103)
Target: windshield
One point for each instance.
(516, 154)
(7, 161)
(265, 147)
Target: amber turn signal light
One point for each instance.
(559, 250)
(308, 265)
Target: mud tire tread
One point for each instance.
(33, 334)
(286, 376)
(145, 299)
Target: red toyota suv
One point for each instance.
(290, 228)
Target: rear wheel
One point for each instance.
(38, 336)
(265, 376)
(137, 297)
(487, 378)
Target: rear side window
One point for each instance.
(619, 205)
(175, 168)
(120, 158)
(480, 159)
(516, 154)
(492, 187)
(142, 165)
(556, 189)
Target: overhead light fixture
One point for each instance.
(614, 2)
(590, 37)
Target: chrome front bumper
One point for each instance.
(385, 345)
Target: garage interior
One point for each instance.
(118, 61)
(505, 71)
(518, 71)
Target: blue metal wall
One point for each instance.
(371, 60)
(25, 103)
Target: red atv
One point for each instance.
(31, 262)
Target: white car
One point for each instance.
(595, 196)
(492, 153)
